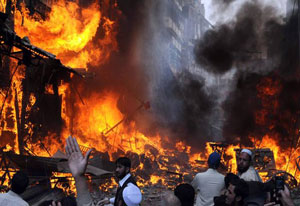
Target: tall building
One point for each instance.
(185, 23)
(195, 26)
(173, 22)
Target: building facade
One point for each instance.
(185, 23)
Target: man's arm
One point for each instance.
(77, 164)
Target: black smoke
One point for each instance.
(238, 43)
(183, 108)
(179, 105)
(260, 46)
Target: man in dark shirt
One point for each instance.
(128, 194)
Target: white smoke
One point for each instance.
(217, 14)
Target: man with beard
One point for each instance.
(249, 174)
(128, 194)
(245, 170)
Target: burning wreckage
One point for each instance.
(41, 70)
(43, 74)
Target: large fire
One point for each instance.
(69, 32)
(2, 5)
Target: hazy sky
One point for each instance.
(213, 16)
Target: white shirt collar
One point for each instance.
(122, 181)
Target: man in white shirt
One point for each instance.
(245, 170)
(210, 183)
(18, 186)
(128, 194)
(249, 174)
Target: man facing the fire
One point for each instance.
(128, 194)
(210, 183)
(245, 170)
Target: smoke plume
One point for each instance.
(261, 46)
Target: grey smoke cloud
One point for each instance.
(238, 43)
(261, 46)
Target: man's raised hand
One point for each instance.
(77, 162)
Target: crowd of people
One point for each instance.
(208, 188)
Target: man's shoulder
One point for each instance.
(251, 170)
(15, 200)
(250, 175)
(220, 174)
(3, 195)
(209, 173)
(215, 173)
(200, 174)
(131, 185)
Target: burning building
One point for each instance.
(138, 78)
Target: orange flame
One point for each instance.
(2, 5)
(285, 159)
(68, 33)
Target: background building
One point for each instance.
(185, 23)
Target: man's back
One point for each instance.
(208, 185)
(11, 199)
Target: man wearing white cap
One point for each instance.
(128, 194)
(249, 174)
(245, 170)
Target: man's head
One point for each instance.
(123, 165)
(19, 182)
(186, 194)
(229, 178)
(244, 160)
(214, 160)
(237, 191)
